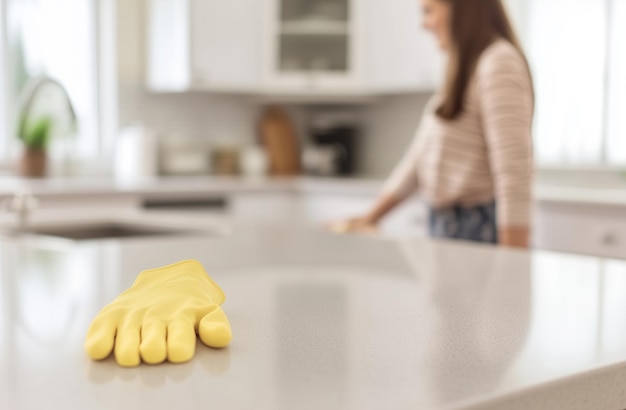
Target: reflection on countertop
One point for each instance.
(323, 321)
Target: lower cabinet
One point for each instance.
(264, 207)
(597, 230)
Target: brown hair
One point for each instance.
(475, 25)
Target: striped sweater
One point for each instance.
(483, 155)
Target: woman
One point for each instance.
(472, 155)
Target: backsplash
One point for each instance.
(217, 118)
(388, 129)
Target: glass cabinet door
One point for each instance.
(314, 40)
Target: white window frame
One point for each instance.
(6, 125)
(108, 77)
(106, 94)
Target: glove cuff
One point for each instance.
(186, 267)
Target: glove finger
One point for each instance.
(214, 329)
(153, 348)
(101, 336)
(127, 345)
(181, 341)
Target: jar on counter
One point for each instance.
(254, 161)
(226, 160)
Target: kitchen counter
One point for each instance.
(187, 185)
(324, 322)
(206, 185)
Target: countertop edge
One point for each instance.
(598, 389)
(206, 186)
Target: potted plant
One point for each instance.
(35, 136)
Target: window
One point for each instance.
(576, 50)
(56, 38)
(4, 123)
(616, 142)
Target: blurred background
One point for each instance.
(133, 90)
(199, 74)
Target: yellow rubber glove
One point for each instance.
(159, 316)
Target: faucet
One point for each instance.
(22, 204)
(32, 90)
(29, 96)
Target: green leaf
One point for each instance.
(37, 134)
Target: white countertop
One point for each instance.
(324, 322)
(189, 185)
(206, 185)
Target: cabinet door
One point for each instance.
(399, 55)
(167, 45)
(269, 207)
(311, 46)
(587, 230)
(227, 43)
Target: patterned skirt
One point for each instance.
(476, 223)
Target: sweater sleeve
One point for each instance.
(403, 180)
(506, 104)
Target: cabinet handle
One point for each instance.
(609, 239)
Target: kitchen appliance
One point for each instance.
(335, 133)
(321, 160)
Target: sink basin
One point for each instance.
(130, 225)
(107, 230)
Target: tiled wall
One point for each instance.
(389, 127)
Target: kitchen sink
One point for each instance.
(106, 230)
(111, 230)
(128, 224)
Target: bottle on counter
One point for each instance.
(136, 154)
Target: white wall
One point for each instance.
(389, 127)
(517, 11)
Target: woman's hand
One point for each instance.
(367, 224)
(361, 225)
(514, 237)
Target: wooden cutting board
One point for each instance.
(277, 134)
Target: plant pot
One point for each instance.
(33, 163)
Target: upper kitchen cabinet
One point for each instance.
(205, 45)
(343, 47)
(318, 49)
(313, 46)
(398, 55)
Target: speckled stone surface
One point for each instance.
(325, 322)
